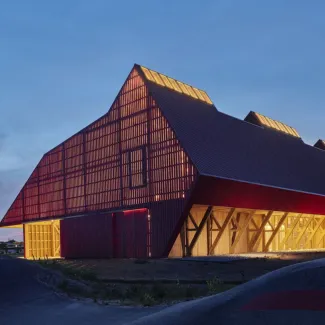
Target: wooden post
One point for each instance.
(259, 231)
(208, 234)
(222, 229)
(302, 232)
(182, 236)
(288, 234)
(200, 228)
(275, 231)
(312, 234)
(241, 231)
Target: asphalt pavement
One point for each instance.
(25, 301)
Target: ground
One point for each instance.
(23, 300)
(236, 269)
(291, 295)
(167, 281)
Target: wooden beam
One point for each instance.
(254, 224)
(302, 232)
(193, 221)
(255, 238)
(241, 231)
(272, 227)
(209, 227)
(288, 234)
(222, 229)
(186, 237)
(312, 234)
(182, 237)
(199, 229)
(53, 238)
(236, 228)
(275, 232)
(215, 221)
(320, 239)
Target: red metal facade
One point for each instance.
(122, 234)
(88, 237)
(224, 192)
(132, 234)
(129, 158)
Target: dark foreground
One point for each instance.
(23, 300)
(291, 295)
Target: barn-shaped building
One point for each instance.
(164, 173)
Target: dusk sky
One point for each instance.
(63, 62)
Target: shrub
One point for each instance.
(158, 291)
(214, 285)
(147, 300)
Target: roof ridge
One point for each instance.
(163, 80)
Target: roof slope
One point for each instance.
(223, 146)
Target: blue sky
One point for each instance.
(62, 63)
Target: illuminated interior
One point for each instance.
(266, 121)
(235, 231)
(42, 239)
(176, 85)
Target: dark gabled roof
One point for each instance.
(320, 144)
(223, 146)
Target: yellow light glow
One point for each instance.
(282, 127)
(176, 85)
(198, 93)
(182, 86)
(272, 123)
(276, 125)
(295, 132)
(157, 78)
(206, 97)
(191, 91)
(166, 81)
(148, 74)
(262, 119)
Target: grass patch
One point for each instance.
(214, 285)
(146, 294)
(70, 271)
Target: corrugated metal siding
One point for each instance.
(223, 192)
(165, 218)
(131, 232)
(89, 236)
(121, 235)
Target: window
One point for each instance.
(137, 167)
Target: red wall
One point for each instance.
(166, 220)
(121, 235)
(222, 192)
(87, 237)
(131, 234)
